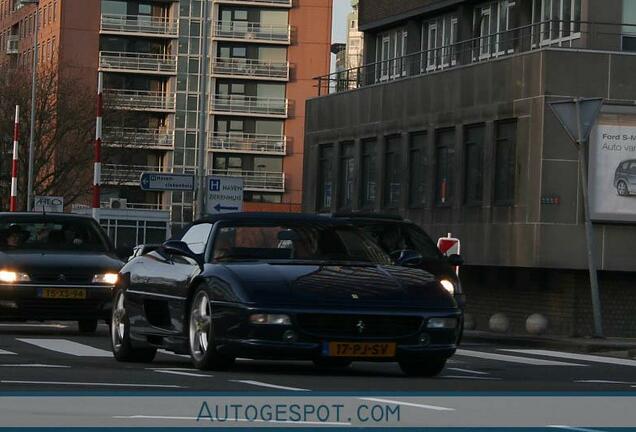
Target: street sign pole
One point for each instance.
(203, 114)
(582, 145)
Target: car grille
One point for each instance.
(359, 325)
(62, 278)
(60, 309)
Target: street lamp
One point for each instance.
(33, 83)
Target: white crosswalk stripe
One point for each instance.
(69, 347)
(574, 356)
(3, 352)
(513, 359)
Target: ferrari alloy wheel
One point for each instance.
(622, 189)
(201, 335)
(424, 367)
(120, 336)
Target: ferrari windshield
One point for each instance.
(295, 242)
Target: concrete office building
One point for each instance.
(448, 124)
(263, 55)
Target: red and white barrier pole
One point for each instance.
(97, 177)
(13, 201)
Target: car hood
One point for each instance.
(342, 286)
(45, 261)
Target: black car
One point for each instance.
(625, 178)
(408, 244)
(55, 267)
(281, 286)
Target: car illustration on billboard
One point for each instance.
(625, 178)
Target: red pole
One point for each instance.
(97, 178)
(13, 201)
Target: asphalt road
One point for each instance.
(55, 357)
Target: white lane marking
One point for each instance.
(470, 371)
(603, 382)
(262, 384)
(176, 372)
(150, 417)
(573, 356)
(3, 352)
(513, 359)
(410, 404)
(174, 354)
(471, 377)
(33, 365)
(68, 347)
(33, 325)
(572, 428)
(89, 384)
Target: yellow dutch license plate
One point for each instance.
(63, 293)
(361, 349)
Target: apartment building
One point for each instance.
(448, 123)
(263, 56)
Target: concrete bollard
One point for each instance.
(499, 323)
(469, 322)
(536, 324)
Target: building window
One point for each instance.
(368, 174)
(418, 169)
(325, 179)
(391, 50)
(560, 20)
(505, 162)
(491, 22)
(392, 172)
(473, 164)
(629, 31)
(444, 164)
(346, 175)
(438, 39)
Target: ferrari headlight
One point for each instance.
(442, 323)
(270, 319)
(13, 277)
(448, 285)
(106, 278)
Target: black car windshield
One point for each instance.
(300, 242)
(50, 233)
(392, 237)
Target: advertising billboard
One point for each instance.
(613, 170)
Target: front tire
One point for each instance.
(201, 335)
(622, 189)
(87, 326)
(422, 368)
(123, 350)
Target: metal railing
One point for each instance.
(139, 24)
(257, 181)
(129, 175)
(139, 100)
(240, 104)
(138, 138)
(284, 3)
(136, 206)
(237, 142)
(554, 34)
(243, 30)
(138, 62)
(250, 68)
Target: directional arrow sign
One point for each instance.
(224, 195)
(152, 181)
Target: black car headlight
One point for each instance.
(448, 285)
(106, 278)
(7, 276)
(442, 323)
(270, 319)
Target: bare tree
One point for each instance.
(64, 128)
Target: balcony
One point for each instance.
(269, 3)
(140, 100)
(111, 61)
(256, 181)
(159, 139)
(252, 32)
(237, 142)
(252, 106)
(139, 25)
(126, 175)
(13, 42)
(247, 68)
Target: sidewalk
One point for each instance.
(583, 344)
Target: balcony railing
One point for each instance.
(138, 138)
(256, 181)
(250, 68)
(126, 175)
(136, 206)
(547, 34)
(137, 62)
(233, 142)
(272, 3)
(250, 31)
(249, 105)
(139, 25)
(139, 100)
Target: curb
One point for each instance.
(579, 344)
